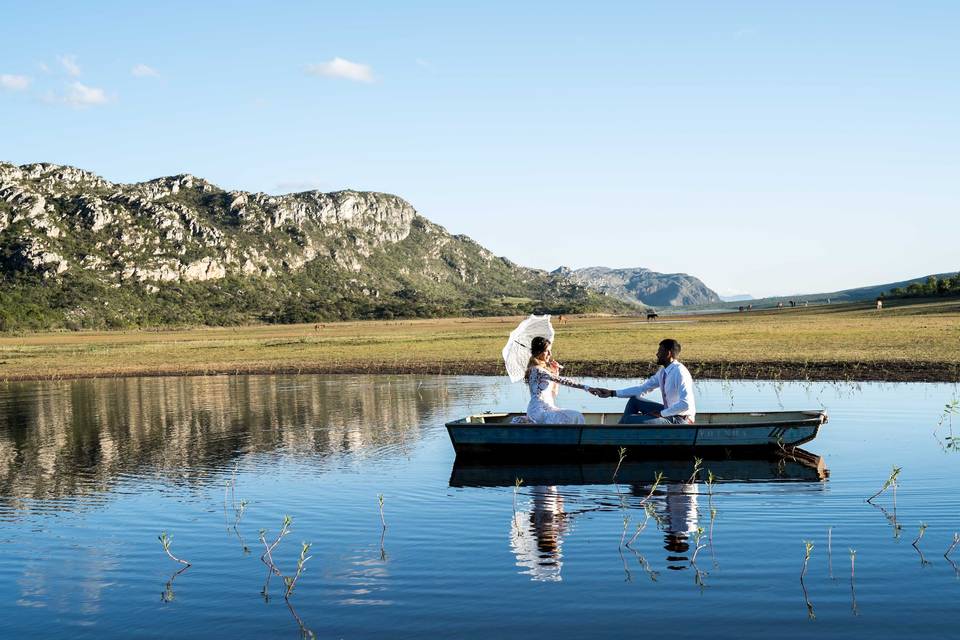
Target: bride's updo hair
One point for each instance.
(538, 347)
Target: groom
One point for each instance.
(676, 387)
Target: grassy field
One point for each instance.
(908, 340)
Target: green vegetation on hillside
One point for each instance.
(934, 286)
(318, 293)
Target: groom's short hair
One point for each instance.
(671, 345)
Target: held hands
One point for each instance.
(603, 393)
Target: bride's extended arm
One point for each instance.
(567, 382)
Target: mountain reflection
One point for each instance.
(63, 439)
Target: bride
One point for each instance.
(543, 379)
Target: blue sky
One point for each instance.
(766, 147)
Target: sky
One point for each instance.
(765, 147)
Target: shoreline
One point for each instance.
(786, 371)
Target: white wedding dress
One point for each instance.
(543, 393)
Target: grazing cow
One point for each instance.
(561, 319)
(652, 315)
(879, 304)
(740, 308)
(749, 307)
(779, 305)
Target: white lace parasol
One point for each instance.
(516, 353)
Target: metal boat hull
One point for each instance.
(720, 431)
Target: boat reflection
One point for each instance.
(797, 466)
(680, 503)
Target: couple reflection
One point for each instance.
(536, 535)
(681, 504)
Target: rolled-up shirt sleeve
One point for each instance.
(651, 383)
(684, 393)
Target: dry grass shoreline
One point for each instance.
(916, 341)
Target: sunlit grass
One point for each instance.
(918, 337)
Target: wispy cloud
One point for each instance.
(79, 96)
(340, 68)
(144, 71)
(69, 64)
(13, 82)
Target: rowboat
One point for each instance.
(754, 431)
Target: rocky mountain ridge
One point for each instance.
(71, 242)
(642, 286)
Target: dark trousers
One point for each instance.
(639, 411)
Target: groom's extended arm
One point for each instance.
(651, 383)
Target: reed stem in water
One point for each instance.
(165, 540)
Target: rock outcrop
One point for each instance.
(643, 286)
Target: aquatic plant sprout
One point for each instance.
(806, 557)
(165, 541)
(923, 528)
(697, 537)
(697, 466)
(950, 409)
(622, 455)
(383, 520)
(656, 483)
(830, 550)
(267, 557)
(640, 527)
(890, 482)
(956, 541)
(292, 582)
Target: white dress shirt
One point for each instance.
(676, 386)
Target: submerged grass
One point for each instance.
(836, 342)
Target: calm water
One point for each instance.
(91, 472)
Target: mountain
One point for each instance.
(740, 297)
(641, 286)
(79, 251)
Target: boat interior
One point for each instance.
(703, 419)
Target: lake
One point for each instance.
(92, 472)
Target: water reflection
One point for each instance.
(67, 439)
(680, 520)
(536, 536)
(537, 532)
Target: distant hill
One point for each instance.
(737, 298)
(873, 291)
(642, 286)
(858, 294)
(79, 251)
